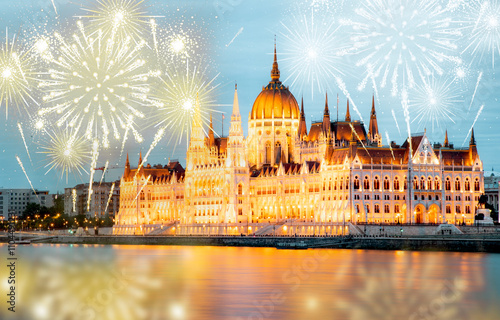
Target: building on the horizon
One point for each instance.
(16, 200)
(308, 180)
(492, 188)
(76, 199)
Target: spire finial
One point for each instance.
(347, 114)
(235, 85)
(275, 72)
(472, 139)
(302, 107)
(327, 111)
(446, 142)
(373, 105)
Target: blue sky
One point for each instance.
(248, 60)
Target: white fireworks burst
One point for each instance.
(177, 96)
(482, 29)
(120, 19)
(17, 76)
(402, 41)
(436, 103)
(97, 82)
(66, 151)
(313, 51)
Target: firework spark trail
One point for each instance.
(404, 104)
(24, 140)
(138, 193)
(475, 89)
(342, 87)
(389, 142)
(26, 174)
(54, 5)
(157, 139)
(234, 38)
(356, 134)
(110, 196)
(104, 171)
(95, 155)
(154, 26)
(473, 123)
(395, 120)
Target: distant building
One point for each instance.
(76, 199)
(17, 199)
(492, 187)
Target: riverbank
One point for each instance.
(458, 243)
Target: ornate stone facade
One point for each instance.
(282, 179)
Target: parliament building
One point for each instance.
(285, 178)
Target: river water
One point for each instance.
(181, 282)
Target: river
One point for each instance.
(182, 282)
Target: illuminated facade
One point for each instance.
(285, 177)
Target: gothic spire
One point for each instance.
(275, 72)
(326, 117)
(302, 121)
(235, 130)
(446, 143)
(211, 138)
(472, 139)
(373, 133)
(347, 114)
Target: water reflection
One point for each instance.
(168, 282)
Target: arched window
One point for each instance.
(448, 208)
(422, 183)
(240, 189)
(429, 183)
(277, 149)
(437, 185)
(457, 184)
(357, 208)
(335, 184)
(415, 183)
(376, 184)
(387, 183)
(347, 183)
(396, 208)
(367, 208)
(396, 184)
(356, 183)
(447, 184)
(405, 185)
(377, 208)
(467, 209)
(366, 183)
(476, 184)
(467, 184)
(268, 152)
(341, 183)
(386, 208)
(458, 209)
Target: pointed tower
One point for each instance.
(275, 72)
(127, 167)
(197, 136)
(237, 170)
(302, 122)
(211, 138)
(326, 118)
(347, 114)
(446, 143)
(140, 160)
(472, 149)
(373, 133)
(235, 144)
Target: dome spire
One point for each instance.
(275, 72)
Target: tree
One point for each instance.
(32, 209)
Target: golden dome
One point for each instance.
(275, 101)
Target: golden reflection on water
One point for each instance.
(175, 282)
